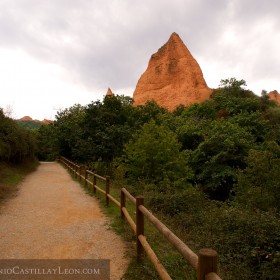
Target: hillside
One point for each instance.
(29, 123)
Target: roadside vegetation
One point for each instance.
(209, 171)
(18, 148)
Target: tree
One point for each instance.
(258, 185)
(232, 83)
(68, 131)
(48, 142)
(107, 127)
(150, 111)
(217, 159)
(16, 143)
(153, 155)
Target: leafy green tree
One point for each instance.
(150, 111)
(232, 84)
(48, 142)
(217, 159)
(272, 115)
(68, 130)
(203, 111)
(153, 155)
(192, 133)
(16, 143)
(107, 126)
(258, 184)
(231, 99)
(255, 123)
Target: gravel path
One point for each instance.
(53, 218)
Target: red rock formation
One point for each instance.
(46, 121)
(173, 77)
(274, 95)
(109, 92)
(26, 118)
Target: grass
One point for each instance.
(174, 263)
(11, 176)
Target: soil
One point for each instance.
(53, 218)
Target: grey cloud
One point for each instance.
(109, 39)
(110, 42)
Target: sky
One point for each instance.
(57, 53)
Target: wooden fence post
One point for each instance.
(107, 190)
(86, 176)
(122, 204)
(80, 172)
(139, 227)
(207, 262)
(94, 183)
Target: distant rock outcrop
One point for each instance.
(109, 92)
(274, 95)
(29, 119)
(173, 77)
(26, 118)
(46, 121)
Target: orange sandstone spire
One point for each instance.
(274, 95)
(173, 77)
(109, 92)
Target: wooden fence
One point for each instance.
(205, 264)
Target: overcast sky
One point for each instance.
(55, 53)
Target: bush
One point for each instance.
(258, 185)
(188, 200)
(16, 143)
(248, 242)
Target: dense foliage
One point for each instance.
(213, 167)
(29, 124)
(153, 156)
(16, 143)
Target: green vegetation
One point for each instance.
(153, 154)
(210, 171)
(29, 124)
(16, 143)
(18, 147)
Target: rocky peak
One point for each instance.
(26, 118)
(274, 95)
(109, 92)
(173, 77)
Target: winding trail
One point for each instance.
(53, 218)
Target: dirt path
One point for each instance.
(52, 218)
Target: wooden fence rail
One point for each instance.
(205, 264)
